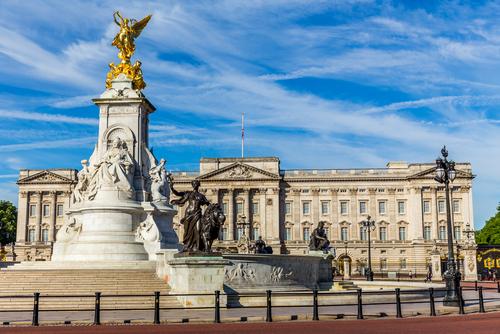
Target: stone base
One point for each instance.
(197, 275)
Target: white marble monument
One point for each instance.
(120, 207)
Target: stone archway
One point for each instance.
(344, 262)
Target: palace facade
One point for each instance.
(284, 206)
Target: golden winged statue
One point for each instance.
(130, 29)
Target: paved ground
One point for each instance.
(477, 324)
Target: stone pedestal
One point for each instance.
(197, 275)
(347, 269)
(470, 264)
(436, 267)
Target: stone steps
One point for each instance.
(56, 285)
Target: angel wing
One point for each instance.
(137, 27)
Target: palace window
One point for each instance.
(344, 236)
(402, 264)
(383, 233)
(427, 233)
(239, 208)
(224, 207)
(402, 233)
(363, 234)
(441, 208)
(288, 233)
(442, 233)
(427, 206)
(344, 207)
(381, 207)
(46, 210)
(306, 208)
(456, 206)
(255, 208)
(288, 208)
(223, 233)
(32, 210)
(325, 207)
(31, 235)
(239, 233)
(306, 234)
(362, 207)
(60, 210)
(383, 264)
(456, 232)
(45, 235)
(401, 207)
(255, 233)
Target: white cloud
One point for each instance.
(43, 117)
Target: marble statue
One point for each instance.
(319, 240)
(160, 192)
(83, 182)
(115, 169)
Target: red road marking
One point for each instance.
(477, 323)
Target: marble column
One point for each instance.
(347, 268)
(246, 211)
(315, 207)
(230, 214)
(23, 216)
(296, 209)
(263, 220)
(53, 217)
(38, 229)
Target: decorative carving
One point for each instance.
(240, 171)
(241, 272)
(243, 244)
(471, 264)
(148, 231)
(278, 274)
(69, 231)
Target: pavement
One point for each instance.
(488, 323)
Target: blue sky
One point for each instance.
(323, 84)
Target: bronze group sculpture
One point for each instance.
(319, 240)
(200, 228)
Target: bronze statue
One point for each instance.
(319, 240)
(261, 247)
(200, 229)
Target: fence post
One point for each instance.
(431, 302)
(398, 303)
(97, 309)
(217, 307)
(36, 302)
(360, 304)
(269, 316)
(475, 285)
(498, 287)
(315, 305)
(461, 301)
(157, 308)
(481, 300)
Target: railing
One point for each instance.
(428, 297)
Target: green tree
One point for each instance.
(490, 233)
(8, 220)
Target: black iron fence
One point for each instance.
(427, 296)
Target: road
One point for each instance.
(476, 323)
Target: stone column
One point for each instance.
(246, 211)
(263, 220)
(392, 233)
(470, 264)
(435, 225)
(315, 207)
(414, 214)
(353, 213)
(274, 216)
(347, 268)
(372, 204)
(23, 216)
(230, 214)
(39, 216)
(334, 213)
(436, 266)
(53, 217)
(296, 209)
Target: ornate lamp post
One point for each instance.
(445, 173)
(369, 225)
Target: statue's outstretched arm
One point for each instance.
(115, 14)
(171, 185)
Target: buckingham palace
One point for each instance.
(284, 206)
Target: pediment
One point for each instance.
(44, 177)
(239, 171)
(431, 172)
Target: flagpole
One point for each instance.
(242, 135)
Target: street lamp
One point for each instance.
(369, 225)
(445, 173)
